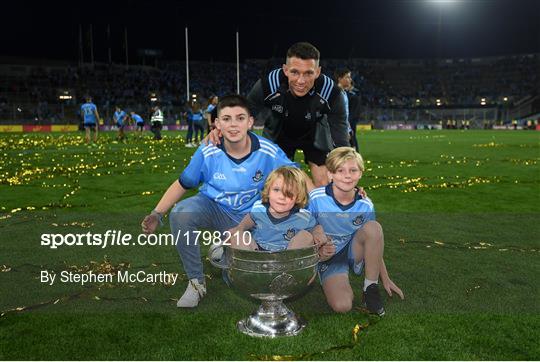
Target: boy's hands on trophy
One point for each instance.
(327, 250)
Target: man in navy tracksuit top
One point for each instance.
(302, 109)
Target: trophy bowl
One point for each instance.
(270, 277)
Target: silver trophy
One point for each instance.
(270, 277)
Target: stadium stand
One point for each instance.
(489, 89)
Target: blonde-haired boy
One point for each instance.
(348, 235)
(279, 221)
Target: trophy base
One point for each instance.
(272, 319)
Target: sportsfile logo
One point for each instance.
(219, 176)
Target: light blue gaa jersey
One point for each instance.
(196, 117)
(119, 117)
(275, 234)
(340, 222)
(88, 111)
(138, 119)
(234, 184)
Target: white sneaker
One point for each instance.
(190, 145)
(193, 294)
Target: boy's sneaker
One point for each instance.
(373, 301)
(190, 145)
(193, 294)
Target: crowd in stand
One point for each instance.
(398, 84)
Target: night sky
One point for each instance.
(340, 29)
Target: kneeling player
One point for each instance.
(230, 176)
(348, 235)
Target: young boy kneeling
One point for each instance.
(348, 235)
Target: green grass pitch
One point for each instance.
(460, 212)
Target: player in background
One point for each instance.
(90, 117)
(119, 118)
(211, 113)
(138, 121)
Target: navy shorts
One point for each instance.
(339, 263)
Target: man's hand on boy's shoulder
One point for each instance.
(362, 192)
(213, 137)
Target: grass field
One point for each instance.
(461, 215)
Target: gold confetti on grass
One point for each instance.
(104, 267)
(473, 246)
(355, 340)
(490, 144)
(472, 289)
(83, 224)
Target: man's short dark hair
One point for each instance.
(233, 100)
(340, 73)
(304, 50)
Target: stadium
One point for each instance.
(443, 105)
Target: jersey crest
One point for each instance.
(289, 234)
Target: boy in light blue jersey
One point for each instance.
(278, 221)
(139, 121)
(119, 119)
(232, 176)
(195, 120)
(90, 117)
(348, 235)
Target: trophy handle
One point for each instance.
(215, 259)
